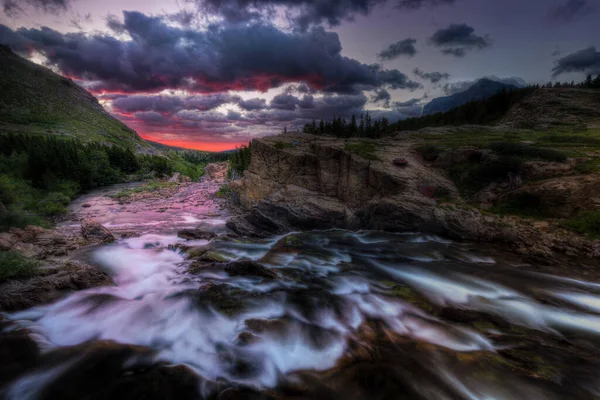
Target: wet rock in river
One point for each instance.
(50, 285)
(93, 231)
(196, 234)
(104, 369)
(249, 268)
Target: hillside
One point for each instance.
(35, 100)
(483, 89)
(556, 107)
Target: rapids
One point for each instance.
(438, 319)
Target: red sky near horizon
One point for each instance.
(193, 145)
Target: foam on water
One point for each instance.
(330, 284)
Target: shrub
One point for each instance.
(586, 223)
(525, 205)
(471, 178)
(54, 204)
(14, 265)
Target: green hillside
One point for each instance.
(35, 100)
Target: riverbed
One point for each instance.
(366, 314)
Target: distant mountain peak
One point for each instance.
(482, 89)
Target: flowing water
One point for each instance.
(350, 314)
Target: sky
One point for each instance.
(214, 74)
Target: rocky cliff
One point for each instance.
(298, 182)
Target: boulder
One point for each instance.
(49, 285)
(94, 232)
(196, 234)
(249, 268)
(400, 162)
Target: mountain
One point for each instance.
(35, 100)
(482, 89)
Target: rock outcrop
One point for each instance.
(320, 183)
(38, 243)
(50, 284)
(216, 171)
(94, 232)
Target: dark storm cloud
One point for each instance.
(151, 118)
(221, 58)
(13, 8)
(131, 104)
(382, 97)
(253, 104)
(284, 102)
(570, 10)
(304, 13)
(404, 47)
(586, 61)
(409, 108)
(458, 39)
(416, 4)
(433, 77)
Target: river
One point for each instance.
(354, 315)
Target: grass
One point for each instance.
(365, 150)
(38, 101)
(586, 223)
(283, 145)
(13, 265)
(589, 166)
(527, 152)
(146, 188)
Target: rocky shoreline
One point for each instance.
(304, 182)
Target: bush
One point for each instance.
(472, 178)
(527, 151)
(525, 205)
(54, 204)
(586, 223)
(14, 265)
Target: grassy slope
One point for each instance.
(35, 100)
(565, 121)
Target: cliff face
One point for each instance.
(299, 182)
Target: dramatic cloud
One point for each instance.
(304, 13)
(586, 61)
(416, 4)
(404, 47)
(409, 108)
(570, 11)
(13, 8)
(433, 77)
(458, 39)
(461, 86)
(253, 104)
(221, 58)
(382, 97)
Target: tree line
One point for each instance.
(477, 112)
(363, 126)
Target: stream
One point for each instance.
(349, 315)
